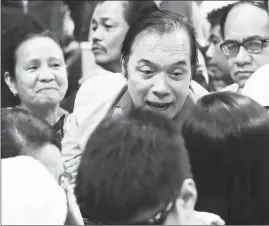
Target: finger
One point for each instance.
(72, 162)
(73, 167)
(74, 215)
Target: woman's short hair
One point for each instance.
(130, 164)
(22, 132)
(160, 22)
(227, 137)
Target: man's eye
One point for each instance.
(55, 65)
(107, 26)
(146, 71)
(177, 74)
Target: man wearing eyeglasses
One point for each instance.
(246, 33)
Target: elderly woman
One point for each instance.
(226, 136)
(36, 74)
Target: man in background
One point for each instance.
(217, 63)
(246, 39)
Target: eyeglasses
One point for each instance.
(158, 218)
(231, 48)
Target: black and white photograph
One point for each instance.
(134, 112)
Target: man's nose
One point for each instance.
(97, 35)
(209, 52)
(242, 57)
(161, 86)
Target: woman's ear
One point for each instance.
(10, 81)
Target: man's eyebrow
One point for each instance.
(254, 37)
(246, 39)
(180, 62)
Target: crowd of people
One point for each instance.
(160, 117)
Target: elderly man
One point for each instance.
(159, 56)
(246, 39)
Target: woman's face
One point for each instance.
(40, 73)
(108, 29)
(159, 72)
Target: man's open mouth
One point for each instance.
(158, 106)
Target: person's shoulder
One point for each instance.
(99, 87)
(197, 90)
(257, 86)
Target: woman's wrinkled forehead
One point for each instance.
(34, 44)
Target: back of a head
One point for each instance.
(226, 136)
(133, 10)
(257, 86)
(22, 132)
(31, 196)
(131, 164)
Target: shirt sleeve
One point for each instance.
(94, 100)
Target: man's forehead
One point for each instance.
(240, 26)
(107, 9)
(171, 43)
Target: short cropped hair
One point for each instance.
(133, 10)
(215, 17)
(131, 163)
(226, 136)
(259, 4)
(20, 130)
(161, 22)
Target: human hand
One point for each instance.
(205, 218)
(71, 167)
(73, 213)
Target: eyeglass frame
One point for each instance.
(239, 44)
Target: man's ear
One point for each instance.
(10, 81)
(186, 201)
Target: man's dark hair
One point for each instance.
(133, 10)
(226, 136)
(259, 4)
(160, 22)
(215, 17)
(22, 132)
(131, 164)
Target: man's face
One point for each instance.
(218, 69)
(240, 28)
(159, 72)
(108, 30)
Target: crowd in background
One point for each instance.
(135, 112)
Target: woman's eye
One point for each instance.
(32, 68)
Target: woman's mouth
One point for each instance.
(158, 106)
